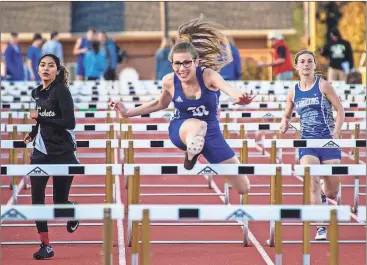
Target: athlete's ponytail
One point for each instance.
(204, 41)
(62, 75)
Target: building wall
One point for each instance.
(106, 16)
(35, 16)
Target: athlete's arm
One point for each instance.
(330, 94)
(284, 124)
(158, 104)
(66, 106)
(215, 81)
(289, 105)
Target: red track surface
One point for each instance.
(180, 254)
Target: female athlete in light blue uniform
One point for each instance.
(194, 87)
(313, 99)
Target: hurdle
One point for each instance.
(276, 213)
(107, 170)
(227, 115)
(323, 143)
(108, 145)
(320, 170)
(137, 170)
(131, 145)
(105, 212)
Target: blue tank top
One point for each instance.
(315, 111)
(205, 108)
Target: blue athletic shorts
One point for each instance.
(216, 149)
(322, 154)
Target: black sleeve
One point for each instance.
(281, 52)
(66, 106)
(34, 131)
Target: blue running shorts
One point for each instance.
(216, 149)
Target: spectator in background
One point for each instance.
(53, 46)
(33, 56)
(162, 64)
(109, 52)
(14, 59)
(233, 70)
(3, 70)
(282, 59)
(82, 46)
(340, 54)
(94, 63)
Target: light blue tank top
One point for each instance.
(315, 111)
(205, 108)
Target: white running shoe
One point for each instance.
(321, 233)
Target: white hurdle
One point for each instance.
(317, 170)
(66, 212)
(274, 144)
(134, 171)
(107, 144)
(107, 170)
(240, 213)
(131, 145)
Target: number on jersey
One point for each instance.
(199, 111)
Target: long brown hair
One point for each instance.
(63, 75)
(205, 41)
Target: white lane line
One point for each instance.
(120, 224)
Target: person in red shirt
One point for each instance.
(282, 59)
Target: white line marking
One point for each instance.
(252, 238)
(120, 224)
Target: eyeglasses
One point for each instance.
(186, 64)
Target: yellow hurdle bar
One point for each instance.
(306, 225)
(356, 178)
(333, 236)
(109, 185)
(135, 224)
(145, 243)
(107, 238)
(278, 224)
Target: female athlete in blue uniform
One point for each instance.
(194, 86)
(313, 99)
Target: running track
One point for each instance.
(180, 254)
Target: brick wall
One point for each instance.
(35, 16)
(232, 15)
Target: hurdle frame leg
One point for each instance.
(278, 224)
(135, 224)
(244, 201)
(145, 242)
(306, 225)
(273, 157)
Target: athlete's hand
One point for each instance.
(284, 125)
(118, 106)
(336, 134)
(33, 114)
(27, 139)
(243, 99)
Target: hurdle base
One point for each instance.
(196, 242)
(52, 242)
(50, 225)
(325, 242)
